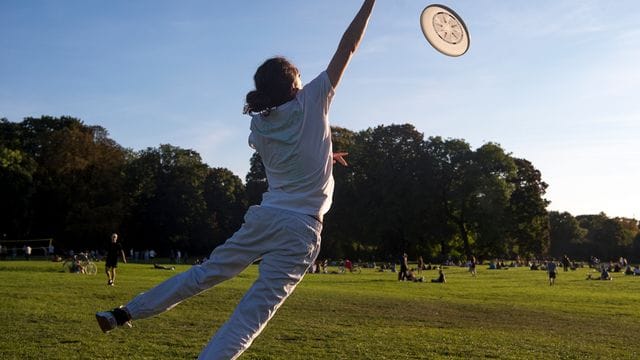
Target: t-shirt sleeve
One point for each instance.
(318, 93)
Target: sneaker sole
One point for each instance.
(104, 323)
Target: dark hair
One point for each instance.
(274, 82)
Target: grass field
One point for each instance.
(500, 314)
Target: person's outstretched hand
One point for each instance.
(339, 157)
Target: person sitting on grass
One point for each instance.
(411, 276)
(77, 267)
(441, 278)
(628, 270)
(348, 265)
(604, 275)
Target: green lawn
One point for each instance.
(500, 314)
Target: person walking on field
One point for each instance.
(114, 250)
(291, 132)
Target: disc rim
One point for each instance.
(438, 47)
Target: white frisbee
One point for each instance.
(444, 30)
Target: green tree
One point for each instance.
(16, 189)
(604, 235)
(256, 180)
(168, 209)
(455, 189)
(527, 206)
(76, 184)
(384, 163)
(635, 255)
(341, 229)
(566, 235)
(489, 203)
(226, 201)
(630, 230)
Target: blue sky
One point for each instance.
(552, 81)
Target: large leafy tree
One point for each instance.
(605, 236)
(226, 201)
(60, 178)
(630, 230)
(16, 189)
(98, 202)
(75, 196)
(341, 223)
(168, 209)
(256, 180)
(16, 182)
(635, 254)
(489, 202)
(566, 235)
(384, 164)
(527, 206)
(455, 192)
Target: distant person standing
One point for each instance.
(114, 250)
(404, 268)
(27, 252)
(472, 265)
(566, 263)
(552, 270)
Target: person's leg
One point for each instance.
(107, 270)
(113, 275)
(281, 270)
(225, 262)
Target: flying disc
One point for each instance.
(444, 30)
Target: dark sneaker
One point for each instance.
(106, 320)
(109, 320)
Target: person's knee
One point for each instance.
(202, 278)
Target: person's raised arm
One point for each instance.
(349, 43)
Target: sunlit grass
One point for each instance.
(503, 314)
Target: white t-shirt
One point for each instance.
(294, 142)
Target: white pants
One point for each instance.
(288, 243)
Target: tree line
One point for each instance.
(434, 197)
